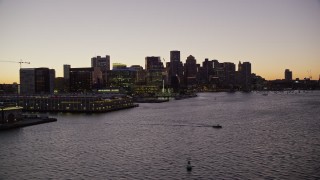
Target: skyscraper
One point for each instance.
(176, 68)
(155, 69)
(104, 64)
(229, 74)
(244, 70)
(175, 56)
(190, 71)
(66, 71)
(66, 77)
(288, 75)
(207, 70)
(219, 75)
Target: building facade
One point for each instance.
(288, 75)
(122, 78)
(141, 75)
(85, 79)
(66, 72)
(207, 71)
(229, 74)
(154, 68)
(190, 71)
(176, 69)
(104, 64)
(244, 73)
(37, 80)
(27, 81)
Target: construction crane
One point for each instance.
(310, 74)
(20, 62)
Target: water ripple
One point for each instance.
(273, 137)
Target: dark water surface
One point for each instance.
(263, 137)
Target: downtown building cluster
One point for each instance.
(173, 76)
(157, 76)
(102, 88)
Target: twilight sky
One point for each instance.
(272, 34)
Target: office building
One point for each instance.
(104, 64)
(190, 71)
(37, 80)
(174, 56)
(66, 76)
(207, 71)
(176, 69)
(229, 74)
(122, 78)
(218, 74)
(288, 75)
(244, 73)
(141, 75)
(155, 70)
(66, 71)
(27, 81)
(85, 79)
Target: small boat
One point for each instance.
(217, 126)
(189, 167)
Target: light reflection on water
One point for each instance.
(275, 136)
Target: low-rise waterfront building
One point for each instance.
(9, 88)
(71, 103)
(10, 114)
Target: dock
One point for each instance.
(150, 100)
(71, 103)
(26, 122)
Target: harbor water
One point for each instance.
(262, 137)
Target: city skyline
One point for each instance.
(272, 35)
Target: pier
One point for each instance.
(26, 122)
(70, 103)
